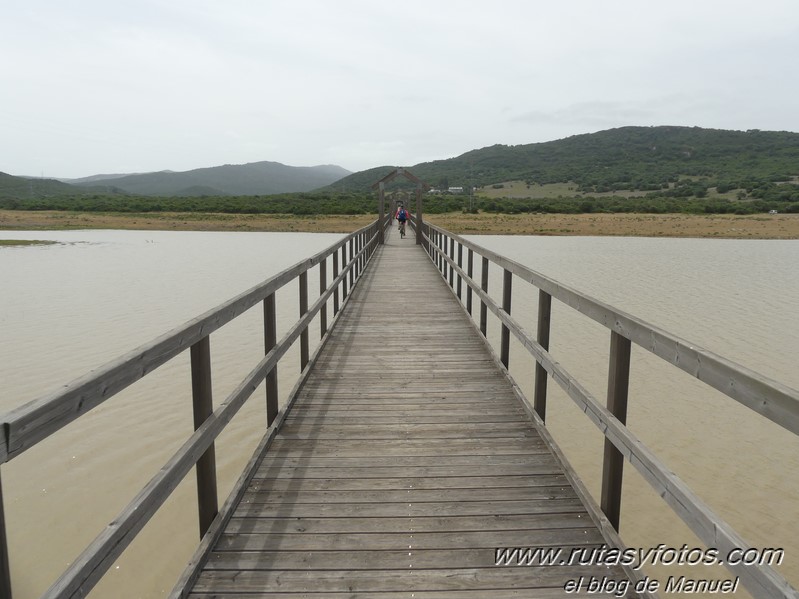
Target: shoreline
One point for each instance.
(720, 226)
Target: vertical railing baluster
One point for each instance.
(470, 273)
(322, 289)
(344, 269)
(362, 259)
(303, 309)
(357, 263)
(352, 260)
(483, 306)
(507, 290)
(270, 340)
(451, 257)
(335, 276)
(544, 315)
(613, 464)
(460, 265)
(434, 247)
(5, 571)
(442, 240)
(207, 501)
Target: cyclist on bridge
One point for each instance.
(402, 217)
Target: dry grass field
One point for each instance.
(763, 226)
(520, 190)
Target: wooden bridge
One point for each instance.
(406, 459)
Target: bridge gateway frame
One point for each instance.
(381, 202)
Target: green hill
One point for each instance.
(29, 188)
(255, 178)
(628, 158)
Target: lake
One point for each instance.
(70, 307)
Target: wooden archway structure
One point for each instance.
(381, 187)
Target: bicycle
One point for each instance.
(402, 229)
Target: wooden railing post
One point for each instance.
(335, 276)
(5, 571)
(304, 354)
(343, 267)
(470, 272)
(356, 268)
(270, 340)
(442, 245)
(362, 259)
(544, 316)
(322, 289)
(352, 256)
(613, 464)
(438, 247)
(207, 501)
(381, 211)
(451, 257)
(460, 265)
(419, 218)
(507, 290)
(483, 306)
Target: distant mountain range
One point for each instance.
(628, 158)
(256, 178)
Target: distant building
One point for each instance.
(455, 189)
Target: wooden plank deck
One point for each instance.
(404, 463)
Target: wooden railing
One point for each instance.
(767, 397)
(37, 420)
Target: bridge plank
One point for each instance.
(404, 463)
(483, 522)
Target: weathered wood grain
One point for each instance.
(406, 437)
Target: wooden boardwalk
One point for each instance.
(405, 462)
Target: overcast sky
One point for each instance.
(116, 86)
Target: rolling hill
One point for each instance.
(255, 178)
(27, 188)
(635, 158)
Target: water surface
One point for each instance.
(68, 308)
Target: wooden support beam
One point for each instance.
(303, 309)
(460, 265)
(483, 306)
(207, 498)
(270, 339)
(344, 267)
(613, 464)
(544, 317)
(470, 273)
(5, 572)
(335, 276)
(419, 219)
(322, 289)
(381, 210)
(507, 291)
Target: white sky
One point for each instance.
(114, 86)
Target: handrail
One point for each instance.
(765, 396)
(38, 419)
